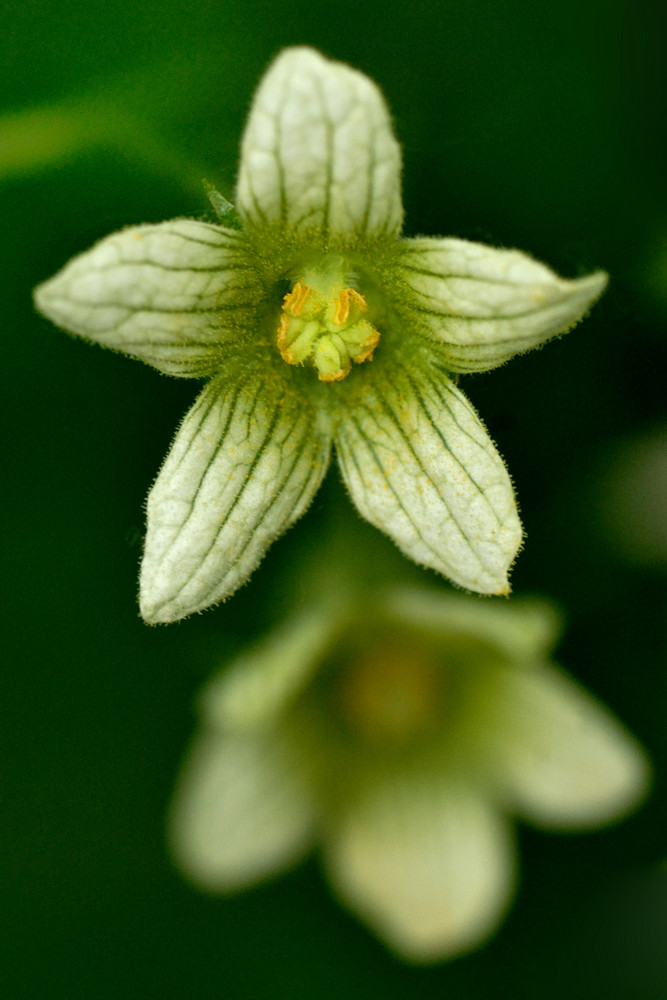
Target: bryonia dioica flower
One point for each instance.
(399, 739)
(317, 325)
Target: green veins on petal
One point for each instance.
(316, 323)
(244, 465)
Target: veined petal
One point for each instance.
(421, 467)
(170, 294)
(245, 464)
(426, 862)
(241, 812)
(485, 305)
(562, 759)
(318, 153)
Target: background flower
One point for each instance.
(399, 739)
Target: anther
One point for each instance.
(327, 328)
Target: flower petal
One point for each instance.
(245, 464)
(522, 630)
(561, 757)
(426, 862)
(169, 294)
(263, 681)
(421, 467)
(485, 304)
(318, 154)
(241, 812)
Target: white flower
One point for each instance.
(399, 739)
(317, 325)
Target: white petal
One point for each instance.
(421, 467)
(427, 863)
(522, 629)
(241, 812)
(245, 464)
(484, 304)
(259, 685)
(563, 760)
(169, 294)
(318, 154)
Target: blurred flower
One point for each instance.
(285, 318)
(399, 738)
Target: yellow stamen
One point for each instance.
(295, 300)
(327, 328)
(370, 346)
(336, 376)
(342, 304)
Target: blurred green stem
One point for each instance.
(52, 135)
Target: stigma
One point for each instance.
(327, 328)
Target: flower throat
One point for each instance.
(325, 324)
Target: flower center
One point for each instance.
(391, 693)
(326, 327)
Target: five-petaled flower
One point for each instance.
(399, 735)
(316, 324)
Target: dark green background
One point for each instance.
(524, 124)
